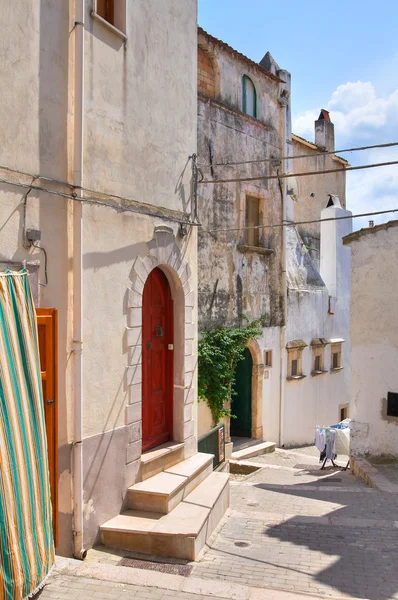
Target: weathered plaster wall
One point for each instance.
(140, 131)
(141, 103)
(315, 400)
(321, 185)
(33, 121)
(233, 282)
(140, 128)
(374, 334)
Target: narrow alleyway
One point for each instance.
(291, 529)
(296, 528)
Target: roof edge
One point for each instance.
(229, 48)
(356, 235)
(301, 140)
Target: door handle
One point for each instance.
(159, 331)
(50, 401)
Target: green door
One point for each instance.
(242, 401)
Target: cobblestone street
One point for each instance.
(296, 528)
(291, 529)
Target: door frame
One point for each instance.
(52, 313)
(169, 366)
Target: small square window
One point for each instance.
(343, 413)
(268, 358)
(106, 10)
(392, 404)
(318, 353)
(112, 12)
(335, 362)
(295, 359)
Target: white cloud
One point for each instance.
(362, 118)
(356, 112)
(350, 96)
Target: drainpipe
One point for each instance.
(78, 549)
(287, 150)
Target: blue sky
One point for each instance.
(343, 56)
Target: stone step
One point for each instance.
(162, 492)
(254, 450)
(161, 458)
(181, 533)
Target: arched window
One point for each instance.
(206, 74)
(249, 97)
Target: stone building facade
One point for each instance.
(252, 266)
(239, 268)
(374, 332)
(99, 123)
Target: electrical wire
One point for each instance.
(96, 201)
(45, 263)
(323, 153)
(308, 173)
(295, 223)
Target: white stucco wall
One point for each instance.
(315, 399)
(140, 128)
(141, 103)
(374, 338)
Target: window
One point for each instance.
(344, 412)
(335, 363)
(268, 358)
(206, 74)
(392, 404)
(295, 359)
(318, 352)
(106, 10)
(249, 97)
(252, 220)
(112, 13)
(294, 367)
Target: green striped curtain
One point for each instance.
(26, 539)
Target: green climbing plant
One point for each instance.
(219, 352)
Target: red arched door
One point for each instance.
(157, 361)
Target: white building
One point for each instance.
(374, 339)
(296, 374)
(98, 120)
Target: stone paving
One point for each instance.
(305, 530)
(61, 587)
(291, 530)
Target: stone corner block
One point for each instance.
(133, 451)
(134, 299)
(133, 413)
(134, 336)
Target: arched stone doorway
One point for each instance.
(157, 361)
(255, 398)
(241, 402)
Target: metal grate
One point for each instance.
(184, 570)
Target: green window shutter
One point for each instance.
(249, 97)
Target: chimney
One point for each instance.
(324, 131)
(335, 261)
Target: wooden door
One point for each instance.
(241, 405)
(157, 361)
(47, 324)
